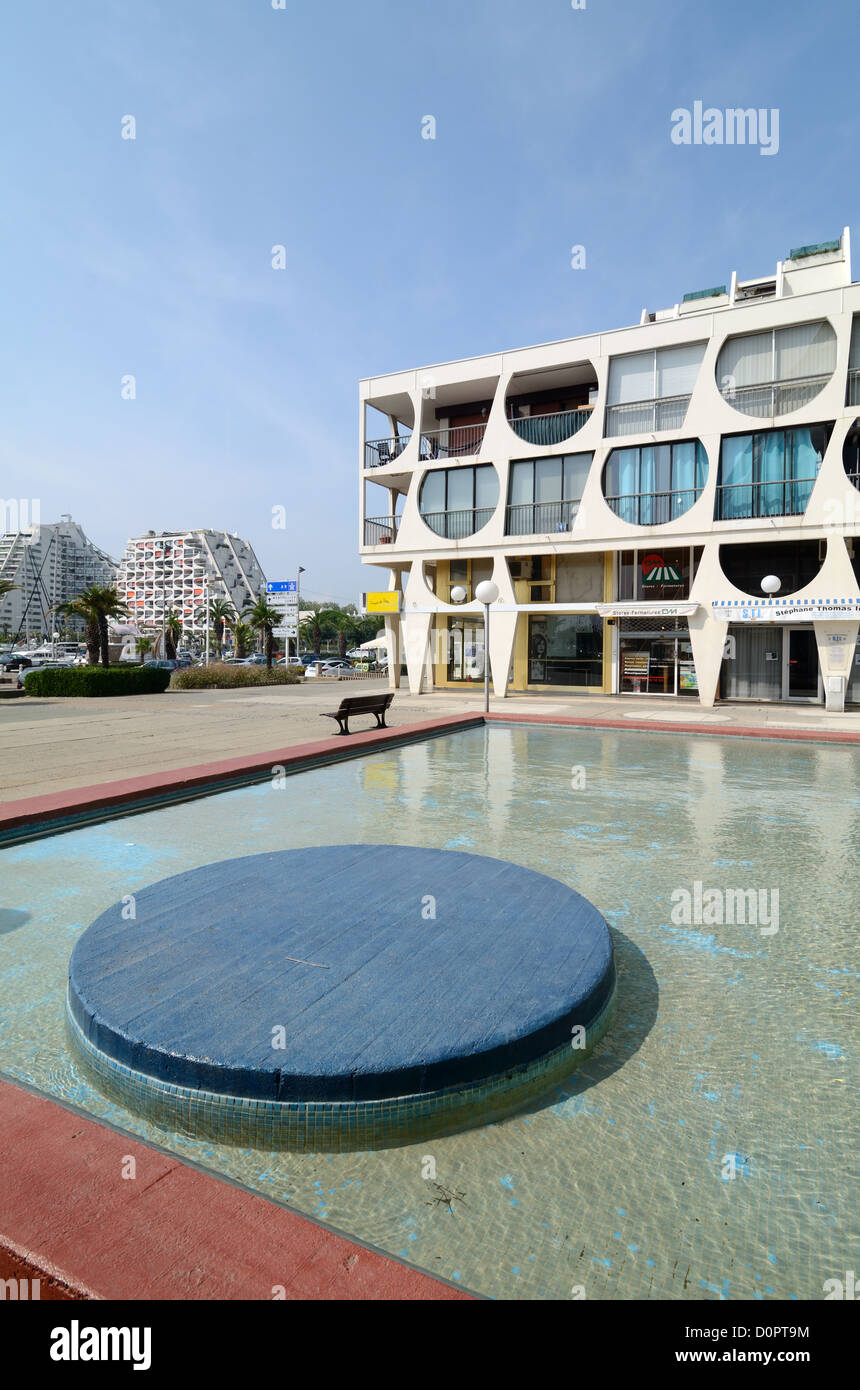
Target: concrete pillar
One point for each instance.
(708, 640)
(503, 628)
(417, 641)
(836, 642)
(392, 637)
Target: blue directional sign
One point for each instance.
(281, 586)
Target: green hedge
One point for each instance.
(97, 680)
(223, 676)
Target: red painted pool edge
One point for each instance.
(72, 1217)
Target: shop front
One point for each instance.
(652, 652)
(774, 650)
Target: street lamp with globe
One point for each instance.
(486, 593)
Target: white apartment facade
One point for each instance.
(48, 564)
(628, 492)
(183, 571)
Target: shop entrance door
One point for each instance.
(801, 680)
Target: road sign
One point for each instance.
(281, 586)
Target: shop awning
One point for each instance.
(787, 610)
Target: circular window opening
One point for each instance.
(652, 484)
(772, 373)
(457, 502)
(795, 564)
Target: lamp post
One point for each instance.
(299, 574)
(771, 584)
(486, 593)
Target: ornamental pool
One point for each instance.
(707, 1149)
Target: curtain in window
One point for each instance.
(677, 369)
(486, 486)
(647, 485)
(802, 467)
(522, 483)
(808, 349)
(747, 360)
(771, 472)
(622, 479)
(433, 493)
(736, 472)
(631, 378)
(684, 477)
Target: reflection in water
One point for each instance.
(726, 1042)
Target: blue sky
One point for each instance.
(302, 127)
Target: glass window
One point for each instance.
(576, 467)
(456, 502)
(654, 483)
(522, 483)
(566, 649)
(631, 378)
(770, 473)
(548, 480)
(661, 372)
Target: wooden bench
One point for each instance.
(361, 704)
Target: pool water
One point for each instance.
(708, 1147)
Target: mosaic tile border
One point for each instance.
(329, 1127)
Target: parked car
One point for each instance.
(335, 667)
(163, 663)
(15, 662)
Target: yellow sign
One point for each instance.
(387, 602)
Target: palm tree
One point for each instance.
(221, 612)
(95, 605)
(172, 633)
(144, 644)
(264, 619)
(344, 625)
(242, 634)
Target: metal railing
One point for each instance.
(453, 442)
(653, 508)
(853, 387)
(381, 530)
(550, 429)
(644, 417)
(785, 497)
(774, 398)
(536, 518)
(378, 452)
(455, 526)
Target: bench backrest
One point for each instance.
(365, 704)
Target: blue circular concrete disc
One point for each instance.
(343, 973)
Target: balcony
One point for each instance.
(378, 452)
(778, 397)
(646, 417)
(456, 526)
(453, 442)
(539, 518)
(653, 508)
(550, 429)
(853, 387)
(381, 530)
(786, 497)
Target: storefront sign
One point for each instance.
(646, 610)
(387, 601)
(786, 610)
(656, 571)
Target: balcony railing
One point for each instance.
(853, 387)
(653, 508)
(456, 526)
(380, 530)
(644, 417)
(378, 452)
(775, 398)
(550, 429)
(786, 497)
(539, 518)
(453, 442)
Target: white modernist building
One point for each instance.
(48, 564)
(182, 571)
(671, 508)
